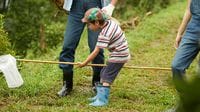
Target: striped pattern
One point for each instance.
(113, 38)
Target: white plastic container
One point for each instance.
(9, 68)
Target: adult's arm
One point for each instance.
(113, 2)
(185, 21)
(110, 7)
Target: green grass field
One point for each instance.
(135, 90)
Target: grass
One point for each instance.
(151, 44)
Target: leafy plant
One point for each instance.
(5, 46)
(25, 23)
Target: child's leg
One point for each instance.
(106, 84)
(108, 75)
(102, 96)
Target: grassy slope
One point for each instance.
(151, 44)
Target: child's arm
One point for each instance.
(183, 25)
(90, 57)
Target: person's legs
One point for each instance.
(99, 59)
(72, 36)
(108, 75)
(110, 72)
(102, 96)
(92, 39)
(67, 84)
(184, 56)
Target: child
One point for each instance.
(112, 38)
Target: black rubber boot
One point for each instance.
(67, 84)
(95, 80)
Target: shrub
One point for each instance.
(5, 47)
(25, 23)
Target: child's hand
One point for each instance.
(80, 65)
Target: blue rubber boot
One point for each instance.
(102, 96)
(95, 97)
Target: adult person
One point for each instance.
(187, 44)
(74, 29)
(187, 39)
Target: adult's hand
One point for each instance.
(108, 9)
(178, 40)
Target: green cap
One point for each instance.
(94, 14)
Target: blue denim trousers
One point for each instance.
(74, 29)
(188, 49)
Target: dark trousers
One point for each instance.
(110, 72)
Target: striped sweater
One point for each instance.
(113, 38)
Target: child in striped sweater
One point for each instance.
(112, 38)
